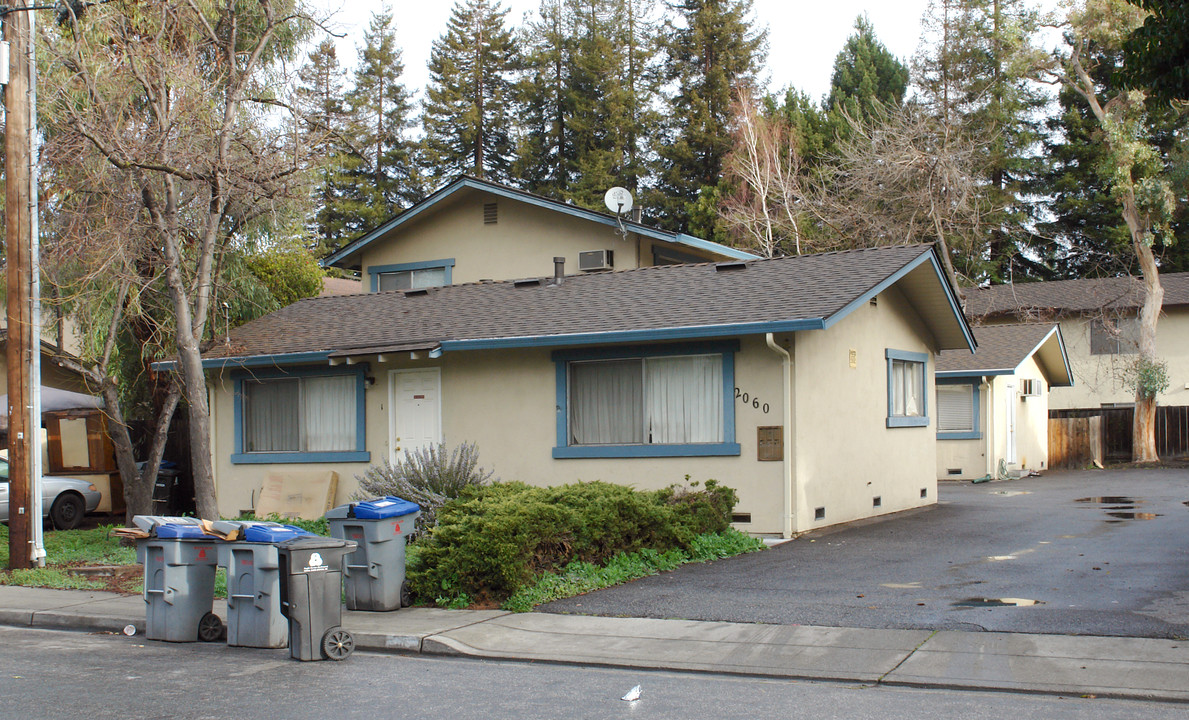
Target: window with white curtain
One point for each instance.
(303, 414)
(907, 389)
(668, 400)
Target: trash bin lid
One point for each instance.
(316, 542)
(272, 533)
(385, 507)
(175, 530)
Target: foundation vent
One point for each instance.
(819, 513)
(953, 471)
(740, 517)
(877, 501)
(924, 492)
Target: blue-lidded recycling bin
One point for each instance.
(374, 574)
(179, 584)
(254, 617)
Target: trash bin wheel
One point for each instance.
(406, 595)
(337, 644)
(210, 628)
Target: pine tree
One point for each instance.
(325, 137)
(972, 74)
(384, 177)
(589, 97)
(866, 76)
(710, 50)
(469, 109)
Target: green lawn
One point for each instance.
(67, 549)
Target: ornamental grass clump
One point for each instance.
(429, 476)
(495, 539)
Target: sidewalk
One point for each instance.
(1057, 664)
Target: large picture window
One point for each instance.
(907, 389)
(303, 416)
(653, 404)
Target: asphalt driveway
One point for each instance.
(1076, 553)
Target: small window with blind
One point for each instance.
(957, 412)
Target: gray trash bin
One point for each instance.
(311, 592)
(179, 584)
(254, 617)
(374, 575)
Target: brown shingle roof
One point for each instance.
(1000, 348)
(1054, 299)
(652, 298)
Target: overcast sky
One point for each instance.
(804, 36)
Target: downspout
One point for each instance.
(786, 360)
(989, 383)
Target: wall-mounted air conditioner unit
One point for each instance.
(592, 260)
(1031, 388)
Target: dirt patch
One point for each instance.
(123, 579)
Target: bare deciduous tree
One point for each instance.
(174, 97)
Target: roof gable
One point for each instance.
(1002, 349)
(646, 304)
(347, 257)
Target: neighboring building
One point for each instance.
(1098, 324)
(993, 406)
(473, 230)
(340, 286)
(805, 383)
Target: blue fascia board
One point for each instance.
(1060, 345)
(547, 203)
(271, 458)
(943, 374)
(711, 246)
(626, 336)
(649, 451)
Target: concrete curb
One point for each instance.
(1124, 668)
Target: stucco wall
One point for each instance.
(969, 456)
(845, 454)
(521, 244)
(1098, 379)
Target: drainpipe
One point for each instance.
(787, 401)
(989, 384)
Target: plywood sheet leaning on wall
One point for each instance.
(305, 495)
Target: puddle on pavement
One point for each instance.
(1109, 500)
(997, 602)
(1132, 516)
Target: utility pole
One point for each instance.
(23, 351)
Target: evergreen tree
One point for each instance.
(324, 132)
(384, 177)
(469, 108)
(589, 98)
(973, 76)
(711, 49)
(865, 75)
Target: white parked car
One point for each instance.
(64, 500)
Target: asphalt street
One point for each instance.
(56, 674)
(1072, 553)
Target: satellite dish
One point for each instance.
(618, 200)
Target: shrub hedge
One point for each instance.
(493, 540)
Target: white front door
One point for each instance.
(415, 410)
(1011, 424)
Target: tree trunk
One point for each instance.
(1144, 430)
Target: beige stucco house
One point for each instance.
(805, 383)
(1098, 324)
(473, 230)
(993, 406)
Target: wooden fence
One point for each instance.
(1075, 444)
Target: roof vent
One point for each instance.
(531, 282)
(416, 291)
(737, 265)
(491, 213)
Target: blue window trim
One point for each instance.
(562, 359)
(446, 264)
(976, 405)
(359, 454)
(901, 420)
